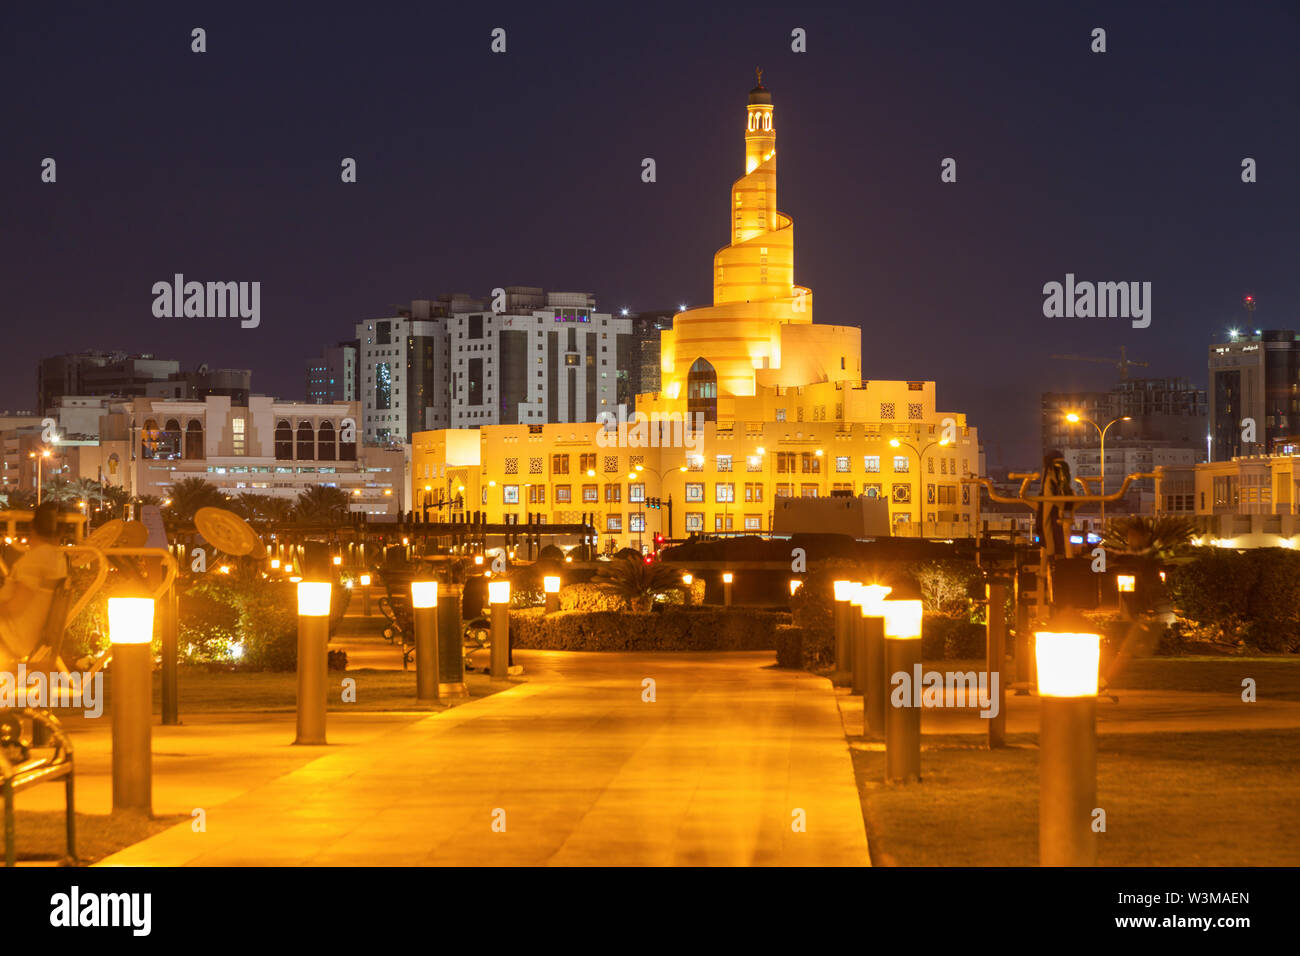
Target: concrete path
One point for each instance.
(570, 768)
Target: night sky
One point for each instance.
(479, 170)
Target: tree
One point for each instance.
(18, 499)
(255, 507)
(322, 504)
(636, 582)
(189, 495)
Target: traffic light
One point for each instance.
(659, 540)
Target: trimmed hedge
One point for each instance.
(1251, 598)
(704, 629)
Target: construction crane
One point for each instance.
(1123, 363)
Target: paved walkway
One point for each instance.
(580, 770)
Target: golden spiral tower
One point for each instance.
(747, 336)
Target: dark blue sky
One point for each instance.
(478, 170)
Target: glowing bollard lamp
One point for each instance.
(870, 655)
(424, 609)
(365, 594)
(551, 586)
(902, 721)
(130, 629)
(1067, 747)
(857, 634)
(687, 580)
(843, 590)
(313, 660)
(1125, 588)
(499, 599)
(727, 578)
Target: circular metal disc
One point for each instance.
(106, 534)
(225, 531)
(134, 535)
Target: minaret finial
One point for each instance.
(759, 72)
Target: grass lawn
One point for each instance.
(1171, 799)
(40, 835)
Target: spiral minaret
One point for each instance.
(736, 343)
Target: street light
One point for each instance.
(45, 453)
(920, 456)
(1074, 418)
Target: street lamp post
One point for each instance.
(1073, 418)
(920, 456)
(45, 453)
(662, 479)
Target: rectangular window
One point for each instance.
(871, 464)
(901, 464)
(537, 494)
(947, 494)
(695, 491)
(753, 491)
(842, 463)
(753, 522)
(812, 464)
(724, 491)
(754, 463)
(237, 435)
(694, 521)
(613, 493)
(636, 492)
(613, 522)
(636, 522)
(563, 494)
(559, 464)
(587, 463)
(785, 463)
(510, 494)
(724, 463)
(807, 491)
(785, 490)
(723, 523)
(590, 494)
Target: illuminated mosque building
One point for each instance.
(777, 405)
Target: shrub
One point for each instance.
(587, 597)
(1250, 598)
(712, 629)
(789, 646)
(955, 637)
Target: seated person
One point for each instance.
(29, 589)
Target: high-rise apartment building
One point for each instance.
(1254, 392)
(335, 374)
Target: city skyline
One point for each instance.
(512, 201)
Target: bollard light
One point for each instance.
(338, 559)
(314, 599)
(424, 613)
(365, 580)
(727, 577)
(1067, 746)
(275, 564)
(551, 584)
(478, 560)
(687, 579)
(1067, 664)
(424, 594)
(902, 720)
(499, 656)
(1125, 583)
(871, 667)
(313, 659)
(902, 619)
(130, 630)
(130, 620)
(288, 568)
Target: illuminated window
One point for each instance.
(510, 494)
(695, 491)
(724, 491)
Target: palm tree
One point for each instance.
(18, 499)
(189, 495)
(59, 489)
(257, 507)
(115, 498)
(636, 582)
(1162, 537)
(322, 504)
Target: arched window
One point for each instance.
(306, 442)
(325, 441)
(348, 449)
(702, 391)
(150, 436)
(767, 121)
(283, 441)
(170, 446)
(194, 439)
